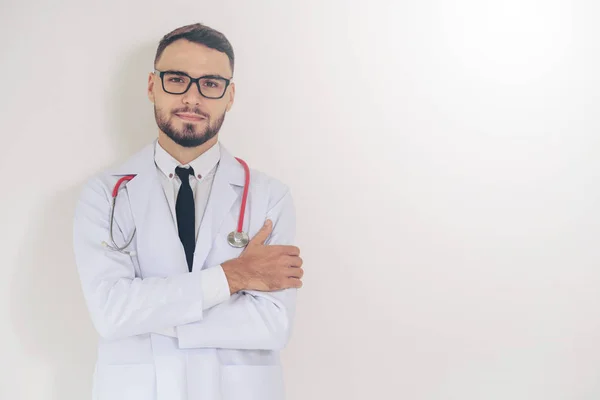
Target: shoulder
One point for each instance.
(273, 188)
(262, 184)
(95, 194)
(101, 184)
(280, 206)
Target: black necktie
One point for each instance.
(186, 216)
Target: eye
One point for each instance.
(212, 84)
(175, 79)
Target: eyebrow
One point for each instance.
(176, 72)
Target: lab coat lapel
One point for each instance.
(139, 188)
(220, 202)
(155, 229)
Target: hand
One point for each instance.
(263, 267)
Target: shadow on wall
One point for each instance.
(128, 108)
(47, 306)
(48, 311)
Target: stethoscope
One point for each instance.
(237, 238)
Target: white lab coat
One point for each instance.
(227, 352)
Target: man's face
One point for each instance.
(190, 119)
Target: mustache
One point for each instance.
(191, 111)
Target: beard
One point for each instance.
(190, 135)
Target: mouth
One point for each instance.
(190, 117)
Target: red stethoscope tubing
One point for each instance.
(119, 182)
(245, 195)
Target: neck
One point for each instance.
(184, 155)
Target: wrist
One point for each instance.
(233, 272)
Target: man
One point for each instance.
(181, 313)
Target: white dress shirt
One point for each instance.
(215, 288)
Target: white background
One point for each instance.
(443, 156)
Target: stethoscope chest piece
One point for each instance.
(238, 239)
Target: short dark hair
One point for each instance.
(201, 34)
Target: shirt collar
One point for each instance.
(202, 165)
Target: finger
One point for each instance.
(295, 283)
(293, 261)
(262, 234)
(294, 272)
(286, 250)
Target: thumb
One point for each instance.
(262, 234)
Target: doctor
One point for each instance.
(181, 313)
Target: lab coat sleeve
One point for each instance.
(215, 290)
(121, 304)
(251, 320)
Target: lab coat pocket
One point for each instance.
(252, 382)
(126, 382)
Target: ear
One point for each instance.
(151, 87)
(231, 91)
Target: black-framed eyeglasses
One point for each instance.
(178, 82)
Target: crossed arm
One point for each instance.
(121, 304)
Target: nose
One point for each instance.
(192, 96)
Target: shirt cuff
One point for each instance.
(215, 287)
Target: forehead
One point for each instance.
(195, 59)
